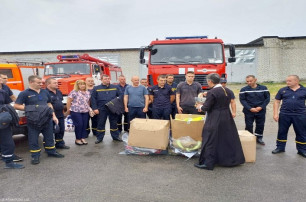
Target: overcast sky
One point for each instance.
(35, 25)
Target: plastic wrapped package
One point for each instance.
(69, 127)
(185, 146)
(139, 150)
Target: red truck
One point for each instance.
(71, 68)
(177, 55)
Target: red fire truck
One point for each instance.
(177, 55)
(71, 68)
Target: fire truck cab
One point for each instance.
(177, 55)
(71, 68)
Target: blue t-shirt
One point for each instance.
(31, 97)
(293, 102)
(136, 95)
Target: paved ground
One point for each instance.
(99, 173)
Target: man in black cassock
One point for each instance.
(220, 141)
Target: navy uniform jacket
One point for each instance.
(121, 90)
(102, 94)
(254, 97)
(57, 102)
(173, 88)
(293, 101)
(4, 97)
(31, 97)
(161, 96)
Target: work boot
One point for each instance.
(13, 165)
(278, 150)
(17, 158)
(56, 155)
(260, 141)
(35, 160)
(303, 154)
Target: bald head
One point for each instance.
(135, 80)
(293, 81)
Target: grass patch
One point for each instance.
(272, 87)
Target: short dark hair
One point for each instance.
(48, 81)
(104, 75)
(161, 76)
(169, 75)
(33, 77)
(190, 72)
(214, 78)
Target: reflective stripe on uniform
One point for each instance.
(101, 130)
(33, 151)
(58, 140)
(50, 147)
(110, 89)
(7, 156)
(281, 140)
(300, 142)
(114, 129)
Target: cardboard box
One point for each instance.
(248, 142)
(149, 133)
(191, 128)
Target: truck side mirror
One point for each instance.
(141, 56)
(232, 51)
(230, 60)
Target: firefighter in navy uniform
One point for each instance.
(254, 98)
(6, 140)
(102, 94)
(56, 101)
(170, 79)
(292, 111)
(126, 126)
(35, 96)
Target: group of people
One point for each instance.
(221, 144)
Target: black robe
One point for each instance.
(221, 144)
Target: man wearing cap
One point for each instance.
(254, 98)
(223, 82)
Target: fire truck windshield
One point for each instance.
(209, 53)
(67, 68)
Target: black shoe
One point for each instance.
(63, 147)
(13, 165)
(203, 166)
(35, 160)
(98, 141)
(118, 139)
(17, 158)
(277, 150)
(303, 154)
(56, 155)
(259, 141)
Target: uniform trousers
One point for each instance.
(102, 117)
(33, 134)
(299, 126)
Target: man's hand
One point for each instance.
(145, 110)
(254, 110)
(55, 120)
(233, 115)
(258, 109)
(276, 117)
(180, 110)
(96, 111)
(126, 109)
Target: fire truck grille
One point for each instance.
(201, 78)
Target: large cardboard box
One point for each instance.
(248, 142)
(149, 133)
(187, 128)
